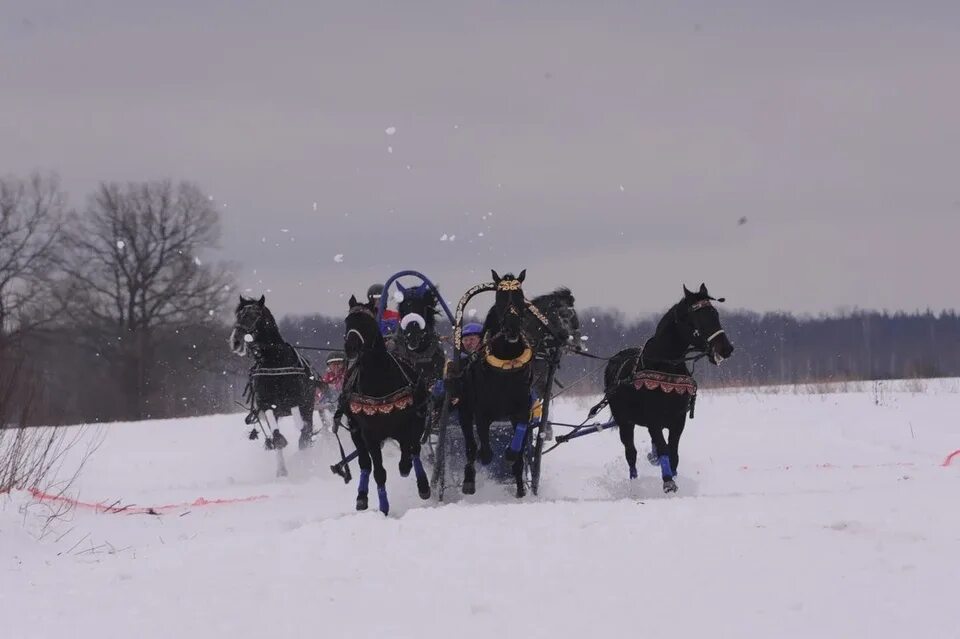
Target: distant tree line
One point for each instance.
(117, 310)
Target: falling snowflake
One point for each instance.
(480, 234)
(472, 312)
(210, 312)
(196, 260)
(390, 130)
(314, 206)
(338, 258)
(389, 149)
(284, 230)
(121, 244)
(453, 237)
(622, 189)
(443, 238)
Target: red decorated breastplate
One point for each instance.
(665, 382)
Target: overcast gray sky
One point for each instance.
(608, 146)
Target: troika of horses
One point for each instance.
(452, 393)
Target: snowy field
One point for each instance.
(800, 514)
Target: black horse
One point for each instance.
(417, 340)
(498, 381)
(550, 341)
(653, 386)
(381, 397)
(281, 379)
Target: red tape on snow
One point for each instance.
(117, 508)
(946, 462)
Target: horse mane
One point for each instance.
(560, 294)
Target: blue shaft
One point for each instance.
(590, 430)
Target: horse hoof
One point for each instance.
(511, 455)
(306, 440)
(268, 443)
(405, 466)
(486, 456)
(670, 486)
(633, 472)
(362, 502)
(282, 472)
(469, 487)
(653, 458)
(521, 492)
(279, 441)
(424, 491)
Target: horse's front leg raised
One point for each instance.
(275, 442)
(306, 425)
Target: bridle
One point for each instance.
(358, 310)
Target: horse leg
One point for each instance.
(469, 470)
(629, 449)
(363, 458)
(654, 455)
(524, 435)
(671, 460)
(276, 442)
(379, 475)
(306, 426)
(483, 433)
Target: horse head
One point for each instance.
(558, 308)
(418, 311)
(701, 321)
(361, 332)
(253, 326)
(510, 308)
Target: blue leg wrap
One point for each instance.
(364, 481)
(665, 471)
(382, 495)
(518, 436)
(633, 472)
(418, 467)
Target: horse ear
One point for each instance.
(262, 300)
(686, 291)
(703, 289)
(353, 301)
(522, 276)
(400, 287)
(496, 278)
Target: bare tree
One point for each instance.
(31, 217)
(134, 257)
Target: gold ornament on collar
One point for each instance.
(509, 364)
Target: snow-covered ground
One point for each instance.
(799, 515)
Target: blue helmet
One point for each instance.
(472, 329)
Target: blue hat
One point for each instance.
(472, 329)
